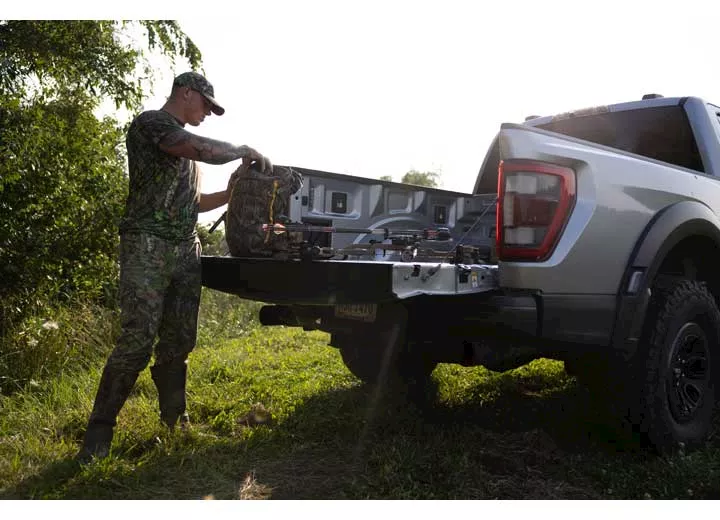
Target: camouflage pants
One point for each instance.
(160, 284)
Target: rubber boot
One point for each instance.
(113, 391)
(170, 381)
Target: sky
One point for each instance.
(373, 88)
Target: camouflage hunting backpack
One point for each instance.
(257, 199)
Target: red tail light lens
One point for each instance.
(534, 202)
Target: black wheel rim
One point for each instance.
(689, 375)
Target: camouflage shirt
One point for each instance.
(164, 196)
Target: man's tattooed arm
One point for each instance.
(211, 201)
(185, 144)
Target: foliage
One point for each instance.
(62, 177)
(430, 179)
(69, 339)
(529, 433)
(38, 56)
(213, 244)
(225, 316)
(386, 178)
(62, 189)
(62, 341)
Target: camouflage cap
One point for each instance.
(198, 82)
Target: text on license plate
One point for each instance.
(357, 311)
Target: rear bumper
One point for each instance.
(528, 317)
(496, 318)
(440, 303)
(578, 319)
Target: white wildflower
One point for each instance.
(50, 325)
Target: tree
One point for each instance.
(62, 177)
(386, 178)
(212, 243)
(96, 57)
(431, 179)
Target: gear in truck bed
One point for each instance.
(257, 199)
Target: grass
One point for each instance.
(51, 342)
(277, 415)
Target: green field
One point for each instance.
(276, 415)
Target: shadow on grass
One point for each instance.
(353, 444)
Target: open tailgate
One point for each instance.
(330, 282)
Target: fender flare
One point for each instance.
(665, 230)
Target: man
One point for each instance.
(160, 255)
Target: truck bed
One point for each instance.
(331, 282)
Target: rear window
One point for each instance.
(661, 133)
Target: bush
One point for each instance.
(62, 189)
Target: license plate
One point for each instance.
(357, 311)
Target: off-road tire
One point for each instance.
(381, 355)
(365, 358)
(371, 363)
(678, 363)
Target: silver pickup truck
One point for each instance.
(605, 240)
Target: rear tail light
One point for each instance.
(534, 202)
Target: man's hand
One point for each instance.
(242, 170)
(263, 162)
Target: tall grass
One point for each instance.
(224, 316)
(51, 342)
